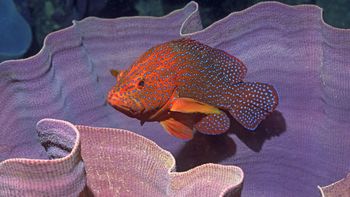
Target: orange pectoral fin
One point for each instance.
(177, 129)
(188, 105)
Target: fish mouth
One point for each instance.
(134, 110)
(125, 110)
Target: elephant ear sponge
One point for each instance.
(15, 32)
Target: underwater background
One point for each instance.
(47, 16)
(301, 146)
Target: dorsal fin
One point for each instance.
(115, 73)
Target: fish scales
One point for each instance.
(206, 72)
(187, 85)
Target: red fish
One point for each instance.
(188, 86)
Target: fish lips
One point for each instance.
(125, 110)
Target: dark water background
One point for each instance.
(45, 16)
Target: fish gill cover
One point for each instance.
(302, 145)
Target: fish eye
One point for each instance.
(141, 84)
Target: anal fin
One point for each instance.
(213, 124)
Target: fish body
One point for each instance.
(187, 86)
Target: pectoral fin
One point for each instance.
(188, 105)
(177, 129)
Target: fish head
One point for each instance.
(140, 92)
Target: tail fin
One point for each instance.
(253, 103)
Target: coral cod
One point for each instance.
(188, 86)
